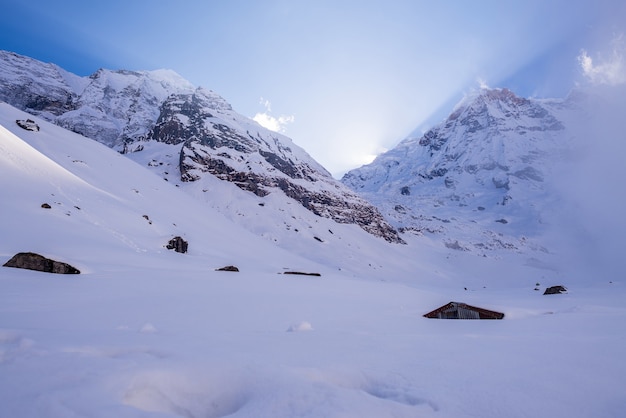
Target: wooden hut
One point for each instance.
(458, 310)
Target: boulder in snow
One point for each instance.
(177, 244)
(228, 268)
(555, 290)
(32, 261)
(28, 124)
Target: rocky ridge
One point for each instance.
(137, 112)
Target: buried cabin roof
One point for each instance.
(458, 310)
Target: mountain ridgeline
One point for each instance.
(479, 181)
(139, 112)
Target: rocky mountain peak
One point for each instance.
(499, 110)
(479, 166)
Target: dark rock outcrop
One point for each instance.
(555, 290)
(301, 273)
(27, 124)
(177, 244)
(228, 268)
(33, 261)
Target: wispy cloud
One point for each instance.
(271, 122)
(482, 83)
(609, 70)
(590, 185)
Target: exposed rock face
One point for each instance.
(33, 261)
(177, 244)
(42, 89)
(131, 111)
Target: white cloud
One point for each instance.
(267, 120)
(482, 83)
(610, 70)
(272, 123)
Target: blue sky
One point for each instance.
(345, 80)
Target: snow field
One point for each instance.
(216, 343)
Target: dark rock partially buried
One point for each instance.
(555, 290)
(177, 244)
(228, 268)
(28, 124)
(301, 273)
(33, 261)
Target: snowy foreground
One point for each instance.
(146, 332)
(213, 344)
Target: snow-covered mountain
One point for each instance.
(144, 331)
(138, 112)
(481, 179)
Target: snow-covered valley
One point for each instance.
(145, 331)
(148, 342)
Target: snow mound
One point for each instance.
(300, 326)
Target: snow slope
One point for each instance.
(146, 332)
(99, 199)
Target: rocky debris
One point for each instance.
(46, 206)
(455, 246)
(555, 290)
(33, 261)
(228, 268)
(27, 124)
(177, 244)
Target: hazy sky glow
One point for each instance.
(344, 79)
